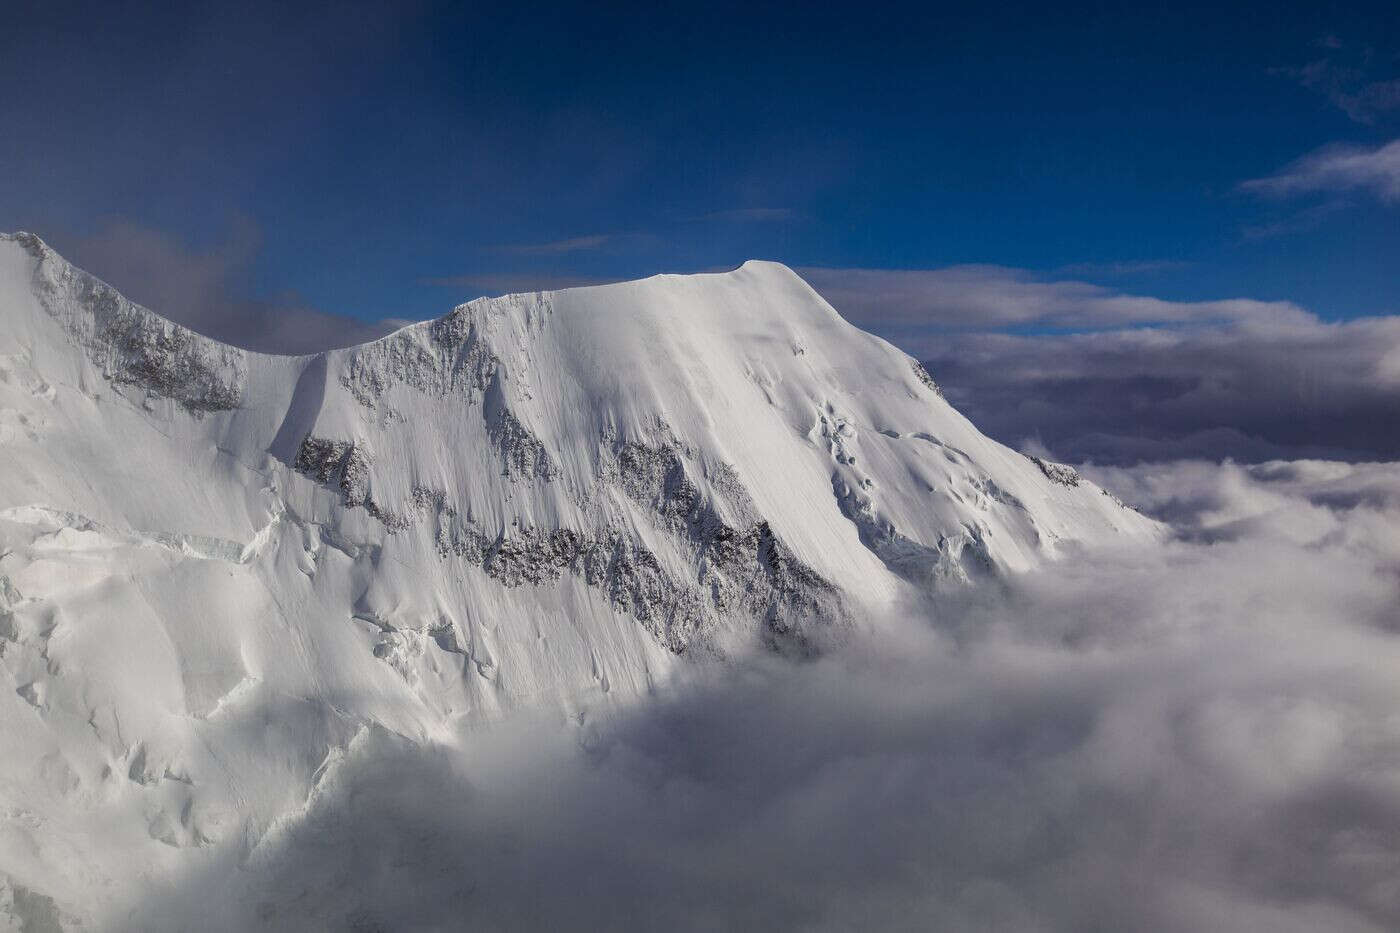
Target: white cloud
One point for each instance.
(1337, 169)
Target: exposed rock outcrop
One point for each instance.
(132, 346)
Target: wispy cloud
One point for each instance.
(516, 283)
(1346, 77)
(985, 297)
(212, 290)
(1125, 268)
(752, 215)
(611, 243)
(1294, 222)
(578, 244)
(1334, 170)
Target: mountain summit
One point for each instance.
(218, 568)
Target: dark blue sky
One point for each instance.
(387, 161)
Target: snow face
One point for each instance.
(219, 570)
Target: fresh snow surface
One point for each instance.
(219, 570)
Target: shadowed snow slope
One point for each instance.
(218, 568)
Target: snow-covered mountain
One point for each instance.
(219, 568)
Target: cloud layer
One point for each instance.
(983, 297)
(1251, 393)
(1200, 737)
(1094, 373)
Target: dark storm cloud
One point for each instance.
(210, 290)
(1141, 378)
(1197, 736)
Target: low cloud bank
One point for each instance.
(1096, 373)
(1201, 736)
(1247, 392)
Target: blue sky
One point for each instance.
(387, 161)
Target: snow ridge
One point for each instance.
(131, 345)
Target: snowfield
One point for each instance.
(221, 573)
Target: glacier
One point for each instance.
(220, 570)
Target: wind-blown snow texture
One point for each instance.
(220, 570)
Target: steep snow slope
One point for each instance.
(218, 568)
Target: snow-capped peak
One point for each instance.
(548, 499)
